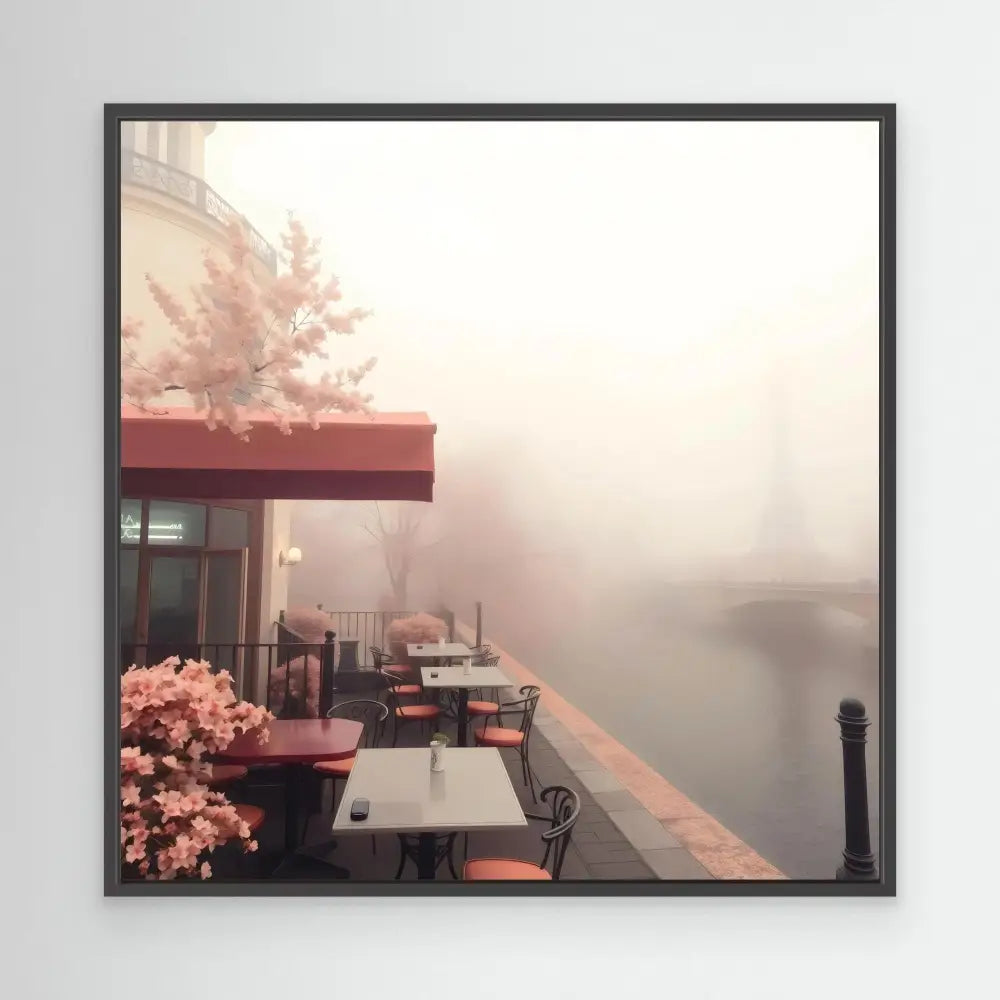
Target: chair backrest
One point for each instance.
(391, 681)
(378, 655)
(565, 805)
(489, 660)
(530, 694)
(371, 714)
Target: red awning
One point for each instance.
(389, 456)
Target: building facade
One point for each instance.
(195, 574)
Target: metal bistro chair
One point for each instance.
(402, 685)
(565, 806)
(497, 736)
(409, 847)
(403, 714)
(481, 707)
(372, 715)
(381, 659)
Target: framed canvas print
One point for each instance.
(500, 499)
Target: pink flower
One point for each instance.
(178, 712)
(135, 852)
(219, 345)
(205, 870)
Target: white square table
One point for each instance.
(442, 650)
(457, 679)
(473, 792)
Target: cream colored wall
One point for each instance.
(166, 238)
(274, 578)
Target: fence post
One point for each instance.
(859, 862)
(479, 624)
(326, 675)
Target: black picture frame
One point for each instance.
(883, 113)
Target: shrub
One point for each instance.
(276, 689)
(171, 715)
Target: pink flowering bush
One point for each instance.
(277, 692)
(249, 338)
(310, 623)
(171, 716)
(420, 627)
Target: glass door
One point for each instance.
(174, 609)
(184, 569)
(224, 575)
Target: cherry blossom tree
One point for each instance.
(243, 348)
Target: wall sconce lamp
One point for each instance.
(291, 557)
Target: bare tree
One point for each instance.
(397, 534)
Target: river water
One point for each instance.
(737, 711)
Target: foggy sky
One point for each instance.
(609, 317)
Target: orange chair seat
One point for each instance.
(223, 774)
(503, 869)
(253, 816)
(407, 689)
(418, 712)
(336, 768)
(494, 736)
(398, 668)
(483, 708)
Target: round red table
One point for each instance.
(295, 741)
(292, 743)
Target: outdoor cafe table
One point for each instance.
(293, 743)
(456, 678)
(437, 650)
(473, 792)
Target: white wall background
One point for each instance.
(61, 61)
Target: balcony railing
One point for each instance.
(368, 628)
(290, 691)
(193, 191)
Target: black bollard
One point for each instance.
(326, 675)
(859, 862)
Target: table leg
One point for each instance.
(296, 789)
(293, 801)
(463, 717)
(426, 855)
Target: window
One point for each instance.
(184, 570)
(228, 528)
(174, 523)
(131, 521)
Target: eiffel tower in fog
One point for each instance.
(784, 550)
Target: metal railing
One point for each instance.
(369, 628)
(193, 191)
(290, 691)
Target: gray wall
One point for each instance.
(61, 61)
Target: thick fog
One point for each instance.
(651, 352)
(633, 337)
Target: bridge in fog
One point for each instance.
(859, 598)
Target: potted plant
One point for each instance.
(171, 717)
